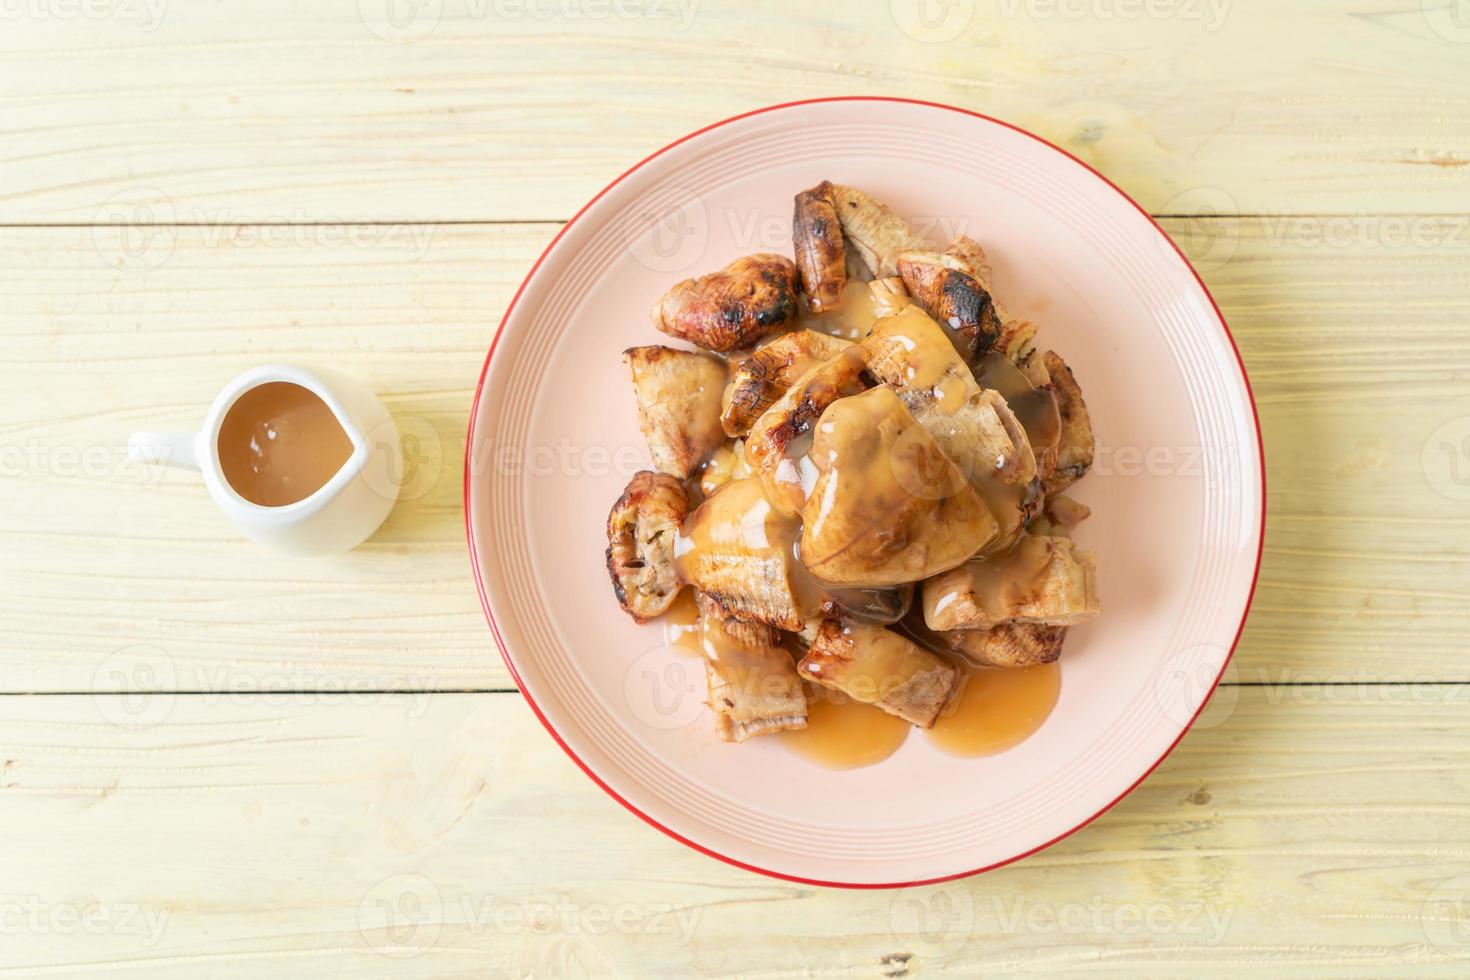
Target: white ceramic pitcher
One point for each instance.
(338, 516)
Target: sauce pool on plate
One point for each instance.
(997, 708)
(841, 733)
(681, 624)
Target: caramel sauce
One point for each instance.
(740, 665)
(853, 317)
(790, 476)
(888, 508)
(873, 607)
(725, 464)
(743, 522)
(737, 535)
(280, 443)
(841, 733)
(1002, 582)
(1034, 408)
(736, 517)
(681, 624)
(868, 664)
(931, 360)
(1011, 506)
(996, 708)
(795, 473)
(889, 295)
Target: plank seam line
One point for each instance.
(267, 692)
(359, 692)
(368, 222)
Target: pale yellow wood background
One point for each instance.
(181, 800)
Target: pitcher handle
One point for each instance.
(168, 448)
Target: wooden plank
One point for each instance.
(1355, 350)
(102, 554)
(501, 109)
(1353, 332)
(447, 836)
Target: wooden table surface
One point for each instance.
(214, 762)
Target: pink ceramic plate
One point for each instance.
(1177, 491)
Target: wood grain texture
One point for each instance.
(324, 805)
(102, 554)
(444, 836)
(1357, 350)
(521, 109)
(1354, 334)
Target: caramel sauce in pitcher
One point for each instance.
(280, 443)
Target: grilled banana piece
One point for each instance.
(887, 506)
(1017, 336)
(738, 550)
(753, 685)
(763, 377)
(821, 256)
(889, 296)
(955, 299)
(1076, 445)
(975, 427)
(966, 255)
(874, 232)
(1064, 513)
(733, 308)
(1010, 644)
(779, 443)
(725, 464)
(641, 531)
(879, 667)
(1041, 579)
(678, 395)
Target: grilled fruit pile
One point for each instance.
(859, 474)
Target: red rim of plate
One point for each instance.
(505, 653)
